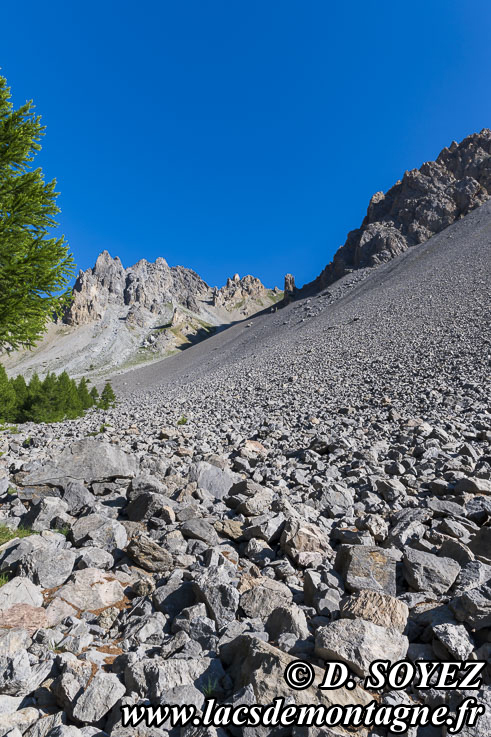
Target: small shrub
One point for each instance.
(182, 420)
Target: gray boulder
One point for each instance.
(358, 643)
(85, 460)
(212, 479)
(428, 572)
(101, 532)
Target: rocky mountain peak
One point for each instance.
(149, 285)
(422, 203)
(237, 290)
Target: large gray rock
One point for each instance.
(473, 485)
(101, 532)
(149, 555)
(455, 639)
(49, 567)
(200, 529)
(365, 567)
(376, 607)
(77, 497)
(261, 666)
(152, 678)
(90, 590)
(91, 557)
(42, 516)
(15, 673)
(221, 597)
(287, 619)
(264, 596)
(20, 590)
(85, 460)
(480, 543)
(175, 595)
(473, 607)
(428, 572)
(147, 497)
(99, 696)
(212, 479)
(358, 643)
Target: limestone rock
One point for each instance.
(376, 607)
(91, 590)
(358, 643)
(84, 460)
(427, 572)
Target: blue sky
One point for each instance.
(240, 136)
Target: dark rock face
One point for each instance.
(422, 203)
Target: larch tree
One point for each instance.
(35, 267)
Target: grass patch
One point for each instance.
(7, 534)
(4, 578)
(62, 530)
(209, 687)
(8, 428)
(182, 420)
(276, 297)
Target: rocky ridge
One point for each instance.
(313, 484)
(119, 318)
(424, 202)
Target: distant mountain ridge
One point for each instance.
(121, 317)
(421, 204)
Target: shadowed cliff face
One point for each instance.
(423, 203)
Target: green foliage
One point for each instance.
(208, 688)
(54, 399)
(108, 397)
(4, 578)
(83, 393)
(7, 534)
(35, 269)
(182, 420)
(8, 398)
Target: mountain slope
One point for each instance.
(427, 305)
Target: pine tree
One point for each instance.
(35, 269)
(21, 391)
(8, 398)
(34, 390)
(83, 394)
(50, 409)
(94, 395)
(70, 401)
(108, 397)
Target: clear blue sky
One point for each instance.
(240, 136)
